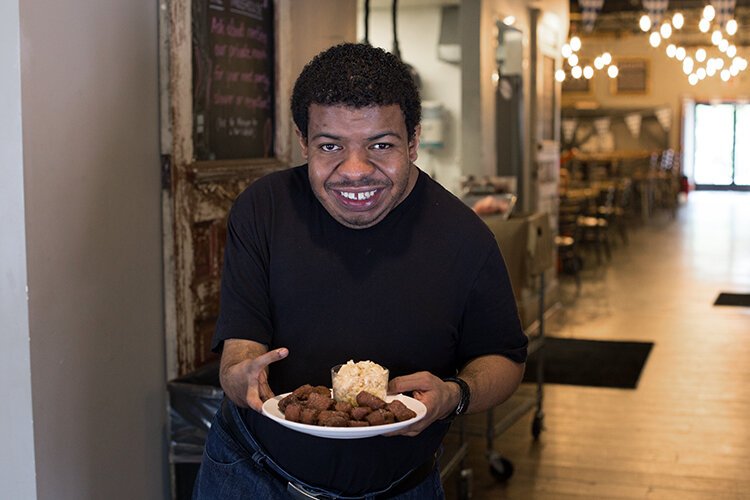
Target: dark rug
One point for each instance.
(596, 363)
(733, 299)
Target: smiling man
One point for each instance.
(357, 255)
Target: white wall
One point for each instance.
(17, 455)
(92, 190)
(466, 89)
(418, 34)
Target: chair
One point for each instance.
(593, 230)
(566, 241)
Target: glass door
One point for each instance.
(721, 157)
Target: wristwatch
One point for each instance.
(465, 395)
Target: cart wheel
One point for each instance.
(537, 425)
(500, 468)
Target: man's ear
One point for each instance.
(414, 144)
(302, 142)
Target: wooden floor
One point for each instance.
(684, 433)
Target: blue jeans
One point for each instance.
(228, 472)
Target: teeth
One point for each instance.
(358, 196)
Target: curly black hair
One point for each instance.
(356, 75)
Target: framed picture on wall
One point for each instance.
(632, 77)
(576, 85)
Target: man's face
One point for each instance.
(359, 161)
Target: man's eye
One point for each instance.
(381, 145)
(329, 147)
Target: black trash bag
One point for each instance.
(194, 399)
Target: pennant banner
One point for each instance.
(589, 10)
(655, 10)
(724, 10)
(633, 121)
(664, 117)
(568, 128)
(602, 126)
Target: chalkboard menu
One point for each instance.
(233, 79)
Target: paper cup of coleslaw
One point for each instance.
(351, 378)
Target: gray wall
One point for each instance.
(89, 74)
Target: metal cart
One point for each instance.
(529, 252)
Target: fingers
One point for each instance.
(420, 381)
(258, 390)
(266, 359)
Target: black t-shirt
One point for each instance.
(424, 289)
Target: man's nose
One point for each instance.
(356, 164)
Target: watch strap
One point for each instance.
(464, 392)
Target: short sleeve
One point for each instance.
(491, 324)
(244, 311)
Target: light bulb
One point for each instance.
(693, 79)
(678, 20)
(700, 55)
(704, 25)
(680, 54)
(710, 68)
(588, 72)
(598, 63)
(665, 30)
(731, 27)
(566, 51)
(573, 60)
(644, 23)
(718, 62)
(576, 72)
(687, 65)
(575, 44)
(709, 12)
(606, 58)
(723, 45)
(701, 73)
(671, 50)
(731, 51)
(654, 39)
(740, 62)
(716, 37)
(560, 75)
(734, 70)
(612, 71)
(725, 75)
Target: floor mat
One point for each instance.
(733, 299)
(596, 363)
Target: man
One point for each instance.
(357, 255)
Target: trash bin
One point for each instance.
(194, 399)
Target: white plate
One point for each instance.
(271, 410)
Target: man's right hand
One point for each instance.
(244, 372)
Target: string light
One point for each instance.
(665, 30)
(569, 52)
(731, 27)
(709, 12)
(678, 20)
(725, 63)
(644, 23)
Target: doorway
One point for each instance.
(721, 157)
